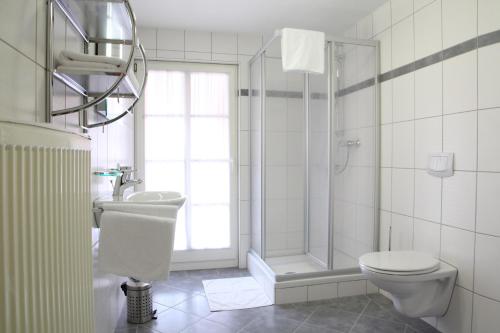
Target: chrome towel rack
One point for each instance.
(99, 23)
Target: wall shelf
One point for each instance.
(100, 24)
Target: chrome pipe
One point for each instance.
(49, 60)
(251, 143)
(307, 200)
(331, 158)
(263, 154)
(376, 208)
(277, 33)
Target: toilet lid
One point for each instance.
(399, 262)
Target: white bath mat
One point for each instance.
(235, 293)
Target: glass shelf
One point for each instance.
(94, 84)
(98, 20)
(108, 173)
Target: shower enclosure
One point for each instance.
(314, 161)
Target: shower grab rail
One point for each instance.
(98, 97)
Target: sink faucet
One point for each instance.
(123, 181)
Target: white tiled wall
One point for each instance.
(453, 106)
(199, 45)
(23, 61)
(220, 47)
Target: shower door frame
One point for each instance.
(331, 68)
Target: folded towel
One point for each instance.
(71, 58)
(303, 50)
(78, 63)
(137, 246)
(166, 211)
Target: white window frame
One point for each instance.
(207, 258)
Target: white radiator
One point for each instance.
(45, 231)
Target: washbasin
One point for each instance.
(145, 197)
(156, 197)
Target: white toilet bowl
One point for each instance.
(420, 285)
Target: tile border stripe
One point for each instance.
(283, 94)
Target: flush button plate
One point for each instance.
(440, 164)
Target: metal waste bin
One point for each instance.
(139, 301)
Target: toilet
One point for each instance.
(420, 285)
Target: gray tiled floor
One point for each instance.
(182, 307)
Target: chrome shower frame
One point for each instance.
(332, 86)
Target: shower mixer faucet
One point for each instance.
(350, 143)
(347, 144)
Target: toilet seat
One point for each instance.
(399, 262)
(419, 285)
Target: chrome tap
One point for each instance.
(123, 181)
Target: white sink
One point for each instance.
(156, 197)
(146, 197)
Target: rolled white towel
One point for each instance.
(75, 59)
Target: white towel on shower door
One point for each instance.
(137, 246)
(303, 50)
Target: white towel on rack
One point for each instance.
(82, 64)
(137, 246)
(303, 50)
(70, 58)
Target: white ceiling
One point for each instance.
(331, 16)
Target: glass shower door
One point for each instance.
(255, 96)
(284, 159)
(318, 167)
(354, 156)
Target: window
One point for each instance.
(189, 147)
